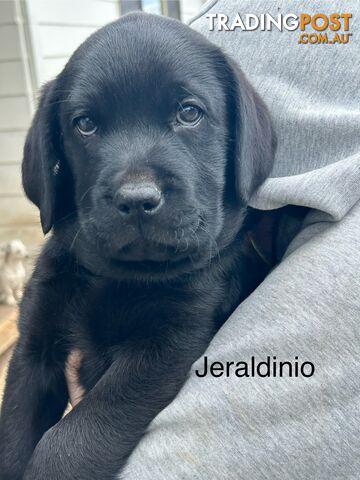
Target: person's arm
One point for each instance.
(275, 428)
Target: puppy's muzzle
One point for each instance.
(135, 199)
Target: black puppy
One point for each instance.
(141, 157)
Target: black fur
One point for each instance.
(141, 299)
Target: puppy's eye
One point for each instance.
(85, 126)
(189, 115)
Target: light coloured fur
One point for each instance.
(12, 272)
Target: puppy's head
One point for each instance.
(145, 150)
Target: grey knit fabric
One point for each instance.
(285, 428)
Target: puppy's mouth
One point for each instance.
(150, 245)
(152, 251)
(146, 251)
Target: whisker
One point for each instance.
(87, 191)
(66, 100)
(188, 91)
(75, 237)
(213, 242)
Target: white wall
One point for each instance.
(57, 27)
(18, 218)
(36, 39)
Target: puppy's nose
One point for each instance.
(144, 197)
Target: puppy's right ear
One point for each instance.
(42, 157)
(253, 134)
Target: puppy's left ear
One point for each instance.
(41, 161)
(252, 134)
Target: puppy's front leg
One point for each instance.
(34, 400)
(95, 439)
(35, 394)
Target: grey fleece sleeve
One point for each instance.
(276, 428)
